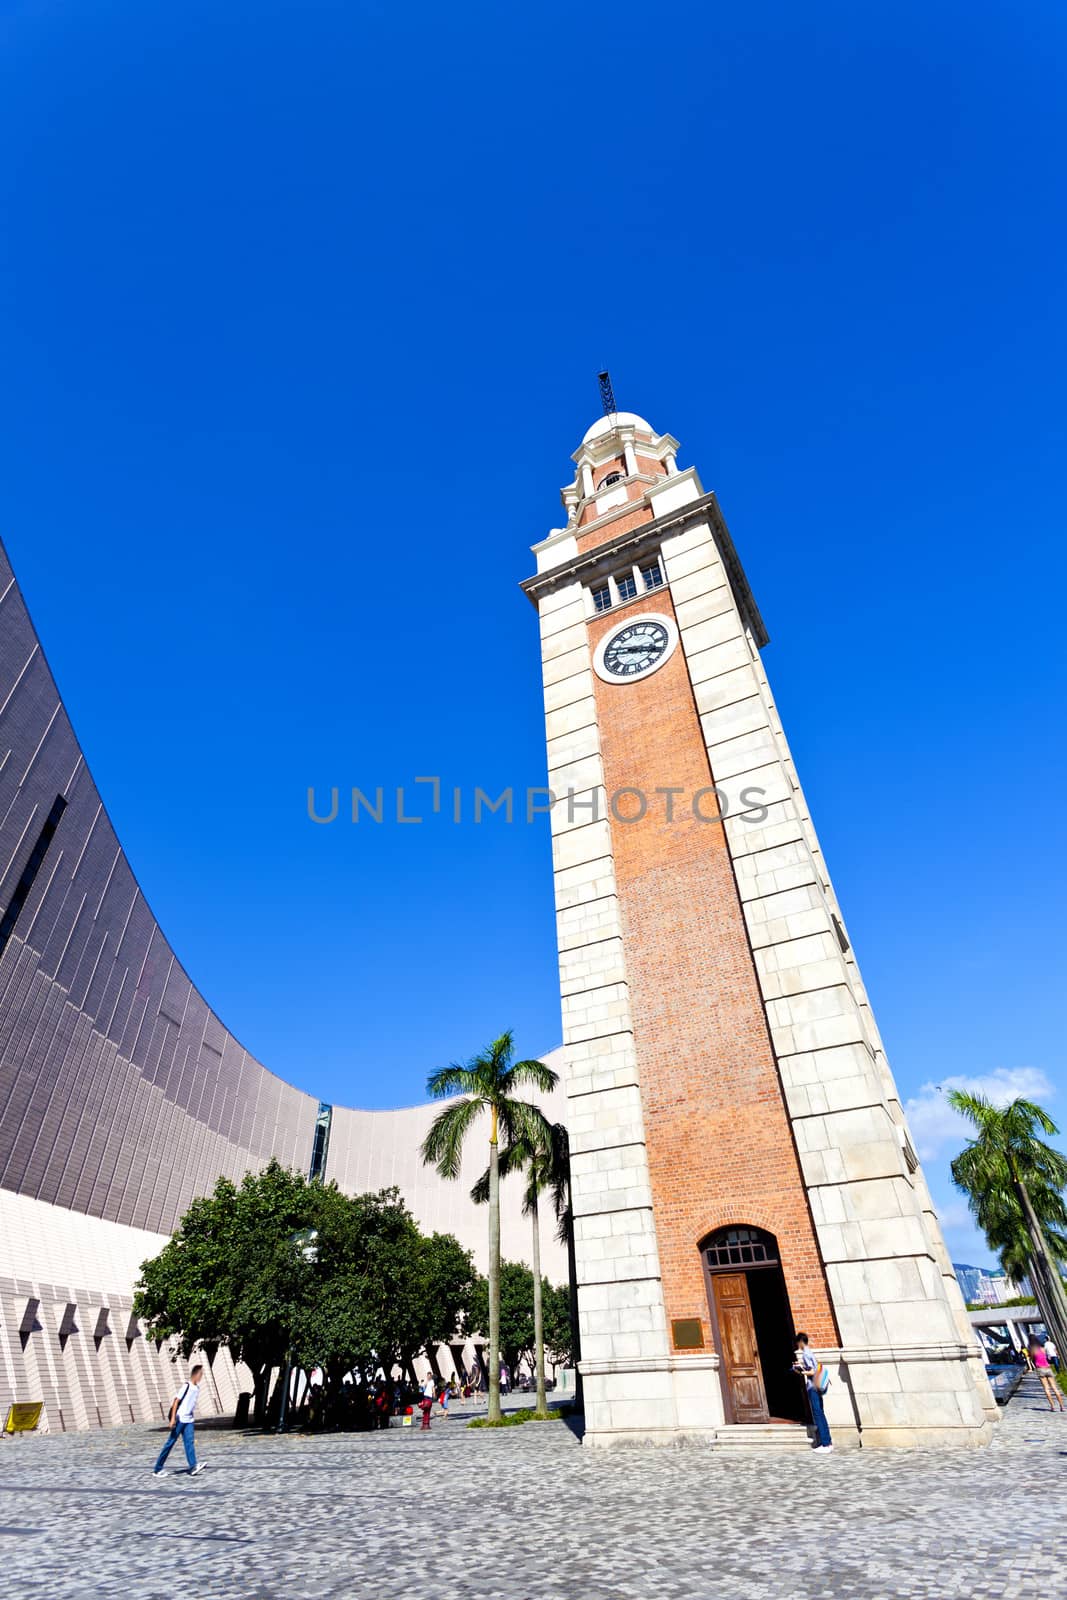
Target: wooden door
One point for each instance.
(742, 1374)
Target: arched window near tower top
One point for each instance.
(606, 483)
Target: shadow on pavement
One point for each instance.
(575, 1421)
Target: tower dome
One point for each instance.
(617, 419)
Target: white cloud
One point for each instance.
(961, 1233)
(934, 1124)
(955, 1214)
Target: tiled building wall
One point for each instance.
(121, 1093)
(67, 1333)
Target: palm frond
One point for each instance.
(443, 1145)
(512, 1158)
(526, 1124)
(1024, 1114)
(480, 1191)
(453, 1079)
(529, 1075)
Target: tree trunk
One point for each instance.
(1048, 1285)
(260, 1394)
(539, 1318)
(1040, 1295)
(494, 1273)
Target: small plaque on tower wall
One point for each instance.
(687, 1333)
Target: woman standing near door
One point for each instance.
(807, 1364)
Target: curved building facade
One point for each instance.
(122, 1095)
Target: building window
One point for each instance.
(606, 483)
(627, 586)
(741, 1247)
(30, 871)
(653, 575)
(602, 598)
(321, 1143)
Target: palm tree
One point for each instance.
(1013, 1181)
(542, 1153)
(487, 1083)
(1005, 1228)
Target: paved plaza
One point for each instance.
(527, 1514)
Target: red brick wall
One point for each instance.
(622, 523)
(720, 1149)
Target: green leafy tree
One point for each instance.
(1006, 1231)
(517, 1331)
(445, 1275)
(488, 1085)
(1014, 1184)
(559, 1342)
(361, 1314)
(230, 1276)
(278, 1268)
(516, 1326)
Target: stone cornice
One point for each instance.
(699, 1360)
(865, 1355)
(606, 446)
(587, 566)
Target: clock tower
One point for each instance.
(741, 1166)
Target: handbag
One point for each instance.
(177, 1407)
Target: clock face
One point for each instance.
(635, 649)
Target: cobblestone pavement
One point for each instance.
(527, 1514)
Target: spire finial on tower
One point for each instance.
(607, 393)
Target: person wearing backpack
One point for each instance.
(816, 1381)
(181, 1425)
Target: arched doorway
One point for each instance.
(753, 1326)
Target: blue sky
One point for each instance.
(301, 310)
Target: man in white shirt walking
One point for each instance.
(181, 1424)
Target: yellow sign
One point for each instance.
(24, 1416)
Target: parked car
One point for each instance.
(1004, 1380)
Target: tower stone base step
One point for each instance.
(763, 1436)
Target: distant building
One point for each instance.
(996, 1289)
(968, 1279)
